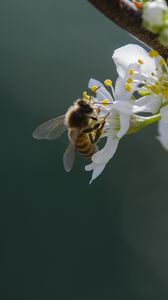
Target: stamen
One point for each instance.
(105, 102)
(155, 89)
(94, 88)
(153, 53)
(131, 71)
(86, 96)
(129, 80)
(140, 61)
(128, 87)
(165, 92)
(108, 82)
(162, 61)
(161, 78)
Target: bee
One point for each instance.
(84, 129)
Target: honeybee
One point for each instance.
(84, 129)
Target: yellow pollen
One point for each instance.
(165, 92)
(86, 96)
(128, 87)
(161, 78)
(153, 53)
(94, 88)
(129, 80)
(140, 61)
(155, 89)
(162, 61)
(131, 71)
(153, 74)
(105, 102)
(108, 82)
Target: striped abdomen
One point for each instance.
(84, 145)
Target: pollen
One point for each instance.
(86, 96)
(153, 53)
(128, 87)
(94, 88)
(108, 82)
(131, 71)
(140, 61)
(162, 61)
(165, 92)
(153, 74)
(161, 78)
(155, 89)
(105, 102)
(129, 80)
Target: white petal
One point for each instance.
(124, 125)
(102, 92)
(97, 169)
(130, 54)
(120, 92)
(164, 113)
(150, 103)
(123, 107)
(105, 154)
(163, 134)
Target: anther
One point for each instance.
(140, 61)
(162, 61)
(128, 87)
(94, 88)
(105, 102)
(131, 71)
(153, 53)
(86, 96)
(108, 82)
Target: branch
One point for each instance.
(126, 15)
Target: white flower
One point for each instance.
(163, 128)
(163, 37)
(152, 75)
(120, 112)
(154, 15)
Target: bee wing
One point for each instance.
(69, 157)
(51, 129)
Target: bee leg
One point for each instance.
(99, 131)
(93, 118)
(99, 128)
(91, 138)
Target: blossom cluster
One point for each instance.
(155, 18)
(138, 98)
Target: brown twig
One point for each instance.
(127, 16)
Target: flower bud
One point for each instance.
(154, 15)
(163, 38)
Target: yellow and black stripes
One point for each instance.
(85, 146)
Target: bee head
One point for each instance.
(85, 106)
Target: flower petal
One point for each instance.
(105, 154)
(97, 169)
(124, 125)
(163, 134)
(150, 103)
(120, 91)
(164, 113)
(130, 54)
(122, 107)
(102, 92)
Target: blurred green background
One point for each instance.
(62, 238)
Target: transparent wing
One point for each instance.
(50, 130)
(69, 157)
